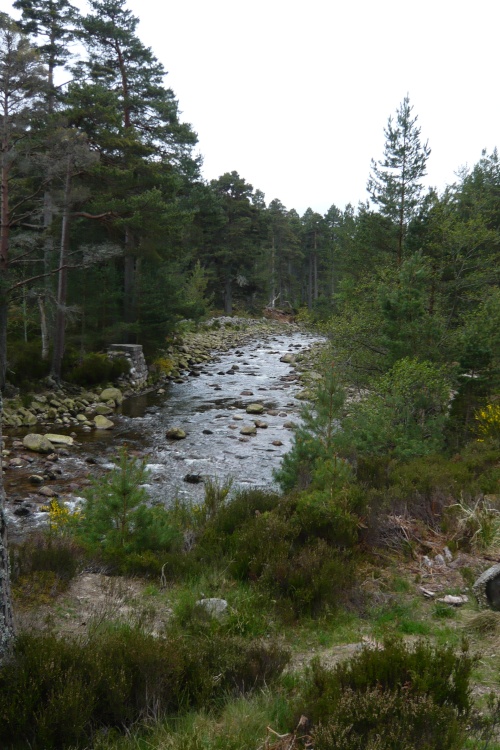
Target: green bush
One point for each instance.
(419, 670)
(333, 516)
(43, 565)
(312, 578)
(25, 363)
(219, 534)
(309, 573)
(56, 692)
(378, 720)
(96, 368)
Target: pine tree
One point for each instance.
(395, 182)
(21, 85)
(150, 130)
(54, 21)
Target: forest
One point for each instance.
(109, 234)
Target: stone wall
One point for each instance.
(138, 374)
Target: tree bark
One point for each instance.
(228, 296)
(62, 285)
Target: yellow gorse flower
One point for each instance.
(60, 516)
(488, 421)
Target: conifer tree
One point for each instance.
(150, 126)
(395, 181)
(21, 84)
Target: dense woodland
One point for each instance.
(109, 234)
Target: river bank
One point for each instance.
(220, 371)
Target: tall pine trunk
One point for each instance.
(228, 296)
(62, 286)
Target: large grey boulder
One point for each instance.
(103, 409)
(111, 394)
(487, 588)
(37, 443)
(103, 423)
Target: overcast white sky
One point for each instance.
(295, 95)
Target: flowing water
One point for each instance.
(210, 406)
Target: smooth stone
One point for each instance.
(248, 430)
(103, 409)
(37, 443)
(260, 424)
(35, 479)
(276, 442)
(47, 492)
(214, 607)
(29, 420)
(103, 423)
(59, 439)
(254, 409)
(175, 433)
(111, 394)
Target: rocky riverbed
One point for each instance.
(226, 409)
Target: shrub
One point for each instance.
(43, 565)
(417, 671)
(55, 693)
(26, 364)
(309, 573)
(330, 515)
(488, 422)
(313, 577)
(97, 368)
(377, 720)
(219, 535)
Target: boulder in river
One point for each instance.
(254, 409)
(193, 478)
(103, 409)
(37, 443)
(175, 433)
(59, 439)
(103, 423)
(47, 492)
(248, 430)
(111, 394)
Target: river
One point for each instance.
(210, 406)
